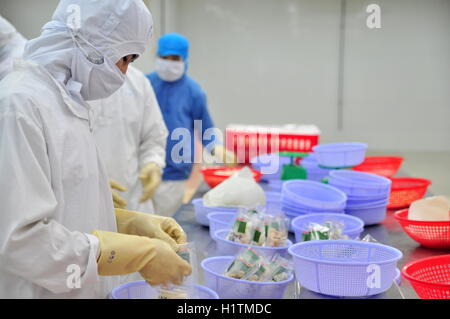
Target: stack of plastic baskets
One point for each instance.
(368, 194)
(230, 288)
(270, 165)
(345, 268)
(142, 290)
(300, 197)
(352, 226)
(313, 170)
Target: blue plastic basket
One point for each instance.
(230, 248)
(275, 185)
(142, 290)
(353, 226)
(202, 211)
(230, 288)
(340, 154)
(218, 221)
(272, 163)
(345, 268)
(314, 172)
(360, 184)
(314, 195)
(369, 215)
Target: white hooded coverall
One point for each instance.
(54, 190)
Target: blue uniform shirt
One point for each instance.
(181, 102)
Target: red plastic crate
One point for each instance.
(430, 277)
(431, 234)
(248, 145)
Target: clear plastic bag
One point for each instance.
(316, 232)
(244, 262)
(242, 231)
(281, 268)
(186, 290)
(276, 231)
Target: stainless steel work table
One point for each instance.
(389, 232)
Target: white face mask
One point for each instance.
(169, 71)
(99, 80)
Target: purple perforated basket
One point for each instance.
(202, 211)
(352, 226)
(345, 268)
(230, 288)
(142, 290)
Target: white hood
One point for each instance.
(116, 28)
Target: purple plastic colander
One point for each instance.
(369, 215)
(218, 221)
(340, 154)
(202, 211)
(270, 165)
(360, 183)
(345, 268)
(142, 290)
(353, 226)
(313, 195)
(230, 288)
(230, 248)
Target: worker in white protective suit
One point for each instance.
(12, 44)
(131, 138)
(60, 236)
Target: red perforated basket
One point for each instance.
(386, 166)
(405, 190)
(430, 277)
(213, 176)
(431, 234)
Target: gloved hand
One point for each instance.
(119, 202)
(226, 156)
(150, 177)
(154, 259)
(149, 225)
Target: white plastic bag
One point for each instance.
(436, 208)
(238, 190)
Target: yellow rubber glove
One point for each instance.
(149, 225)
(150, 177)
(226, 156)
(154, 259)
(119, 202)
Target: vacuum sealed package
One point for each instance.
(258, 230)
(259, 272)
(276, 231)
(186, 289)
(280, 269)
(336, 230)
(316, 232)
(242, 230)
(244, 262)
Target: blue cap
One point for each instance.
(173, 44)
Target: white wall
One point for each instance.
(267, 61)
(276, 61)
